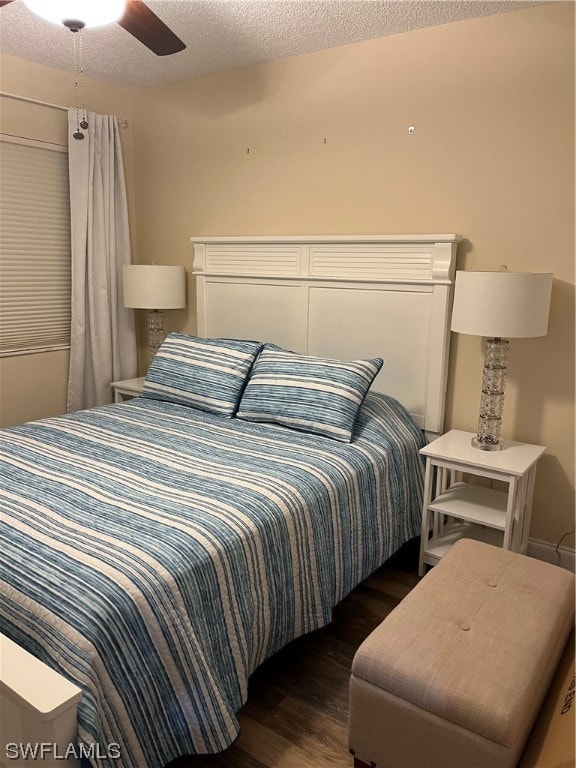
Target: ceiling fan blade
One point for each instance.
(146, 27)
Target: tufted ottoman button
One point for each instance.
(465, 626)
(492, 583)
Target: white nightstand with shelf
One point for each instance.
(454, 508)
(127, 389)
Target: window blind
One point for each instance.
(35, 261)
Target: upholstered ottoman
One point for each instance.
(455, 675)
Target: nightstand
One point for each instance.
(127, 389)
(455, 508)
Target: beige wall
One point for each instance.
(491, 157)
(34, 386)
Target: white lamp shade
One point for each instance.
(92, 13)
(152, 286)
(502, 304)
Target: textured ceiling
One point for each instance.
(224, 34)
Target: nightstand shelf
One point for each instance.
(127, 389)
(474, 503)
(455, 504)
(437, 546)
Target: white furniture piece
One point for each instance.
(127, 389)
(38, 708)
(345, 297)
(455, 508)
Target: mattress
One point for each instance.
(155, 555)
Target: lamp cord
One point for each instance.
(557, 547)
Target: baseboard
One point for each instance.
(543, 550)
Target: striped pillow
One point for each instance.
(311, 394)
(206, 374)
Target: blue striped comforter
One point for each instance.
(156, 555)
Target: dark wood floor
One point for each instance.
(297, 710)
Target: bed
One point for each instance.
(156, 553)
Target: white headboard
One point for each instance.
(344, 297)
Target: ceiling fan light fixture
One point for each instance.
(90, 13)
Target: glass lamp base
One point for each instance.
(476, 442)
(492, 400)
(155, 332)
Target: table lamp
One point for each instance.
(154, 287)
(499, 305)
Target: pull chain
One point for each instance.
(76, 27)
(84, 122)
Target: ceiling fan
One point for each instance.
(132, 15)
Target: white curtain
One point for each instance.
(103, 341)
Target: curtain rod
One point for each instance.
(122, 122)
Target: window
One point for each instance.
(34, 246)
